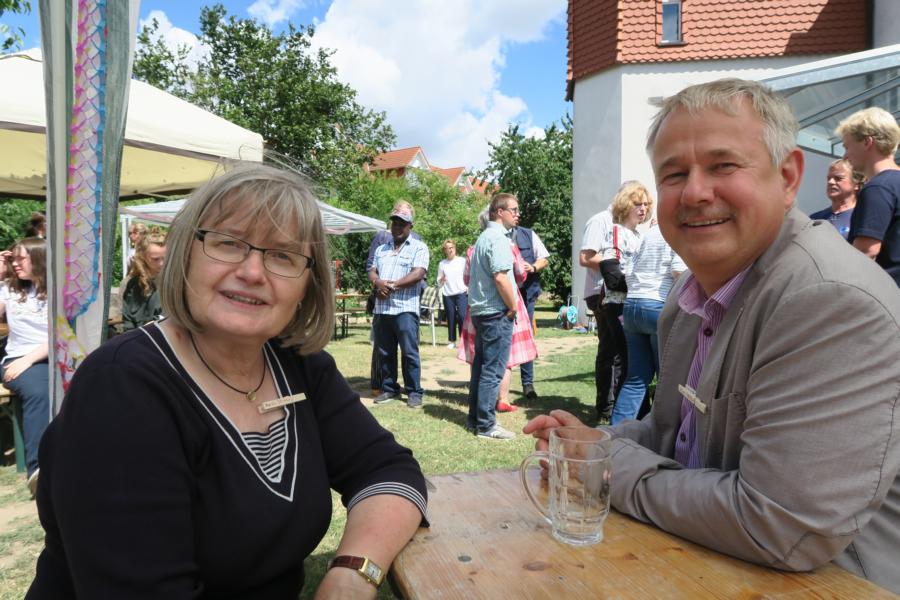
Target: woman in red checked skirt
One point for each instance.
(523, 348)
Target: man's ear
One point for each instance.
(791, 172)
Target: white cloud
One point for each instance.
(535, 132)
(175, 37)
(272, 12)
(435, 67)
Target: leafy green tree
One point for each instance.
(275, 85)
(442, 212)
(14, 218)
(539, 172)
(11, 39)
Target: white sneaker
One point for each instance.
(497, 433)
(33, 482)
(451, 346)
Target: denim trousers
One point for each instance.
(33, 389)
(493, 338)
(526, 370)
(455, 308)
(641, 316)
(402, 329)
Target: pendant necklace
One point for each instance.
(251, 395)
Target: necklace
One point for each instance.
(251, 395)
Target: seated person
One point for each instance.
(140, 298)
(195, 457)
(774, 432)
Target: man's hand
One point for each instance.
(528, 268)
(540, 426)
(383, 288)
(16, 368)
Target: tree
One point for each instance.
(539, 172)
(275, 85)
(11, 39)
(442, 212)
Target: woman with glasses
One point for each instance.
(23, 300)
(195, 457)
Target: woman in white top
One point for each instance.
(632, 206)
(654, 269)
(23, 299)
(454, 290)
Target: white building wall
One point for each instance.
(612, 113)
(886, 23)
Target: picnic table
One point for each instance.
(487, 541)
(342, 315)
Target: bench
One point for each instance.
(342, 319)
(11, 408)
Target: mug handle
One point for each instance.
(542, 455)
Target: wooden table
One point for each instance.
(342, 317)
(487, 541)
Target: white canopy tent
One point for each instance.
(336, 220)
(171, 146)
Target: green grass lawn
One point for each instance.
(435, 434)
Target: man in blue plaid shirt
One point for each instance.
(398, 267)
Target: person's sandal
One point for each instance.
(505, 407)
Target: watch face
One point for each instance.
(373, 571)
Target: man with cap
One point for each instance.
(398, 267)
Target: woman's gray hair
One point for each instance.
(484, 217)
(780, 126)
(275, 200)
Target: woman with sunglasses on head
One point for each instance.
(23, 300)
(195, 457)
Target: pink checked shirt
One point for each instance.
(692, 300)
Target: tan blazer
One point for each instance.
(800, 441)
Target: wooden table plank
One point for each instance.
(486, 541)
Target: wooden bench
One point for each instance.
(11, 408)
(342, 319)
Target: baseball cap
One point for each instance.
(403, 213)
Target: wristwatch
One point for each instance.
(362, 565)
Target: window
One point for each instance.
(671, 22)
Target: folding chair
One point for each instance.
(430, 305)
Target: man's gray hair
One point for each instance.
(780, 126)
(484, 217)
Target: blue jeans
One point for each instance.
(402, 329)
(527, 369)
(455, 307)
(643, 355)
(33, 389)
(493, 338)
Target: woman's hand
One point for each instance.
(340, 583)
(16, 368)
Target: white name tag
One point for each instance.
(279, 402)
(692, 397)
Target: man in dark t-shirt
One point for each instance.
(870, 139)
(841, 187)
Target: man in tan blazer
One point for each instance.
(775, 432)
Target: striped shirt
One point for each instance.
(392, 265)
(269, 448)
(692, 300)
(650, 277)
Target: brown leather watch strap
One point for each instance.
(362, 565)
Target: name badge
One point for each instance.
(692, 397)
(270, 405)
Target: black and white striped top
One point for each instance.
(269, 448)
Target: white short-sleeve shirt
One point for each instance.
(28, 322)
(597, 236)
(451, 270)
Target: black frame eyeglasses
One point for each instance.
(233, 250)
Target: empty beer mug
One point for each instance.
(580, 469)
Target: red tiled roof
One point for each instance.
(607, 32)
(485, 187)
(394, 159)
(452, 174)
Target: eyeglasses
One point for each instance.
(229, 249)
(514, 210)
(19, 259)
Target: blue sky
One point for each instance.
(450, 75)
